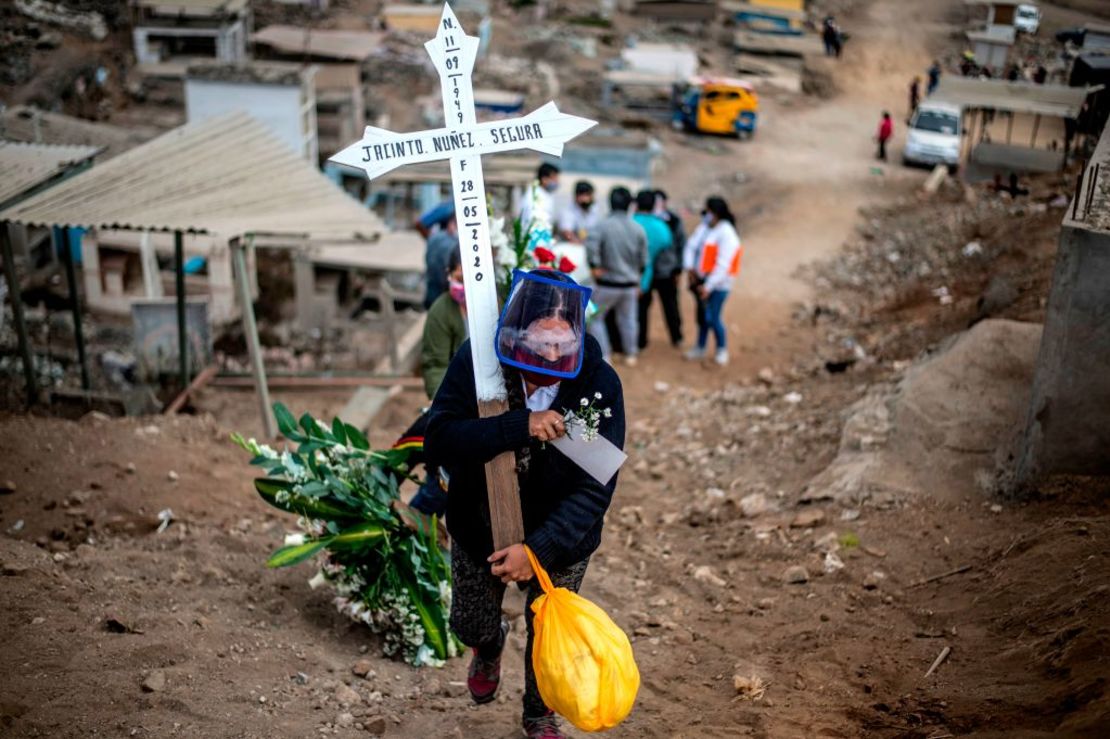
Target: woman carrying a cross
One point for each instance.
(550, 366)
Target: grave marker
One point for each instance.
(463, 141)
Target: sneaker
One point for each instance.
(721, 357)
(484, 676)
(630, 361)
(543, 727)
(695, 353)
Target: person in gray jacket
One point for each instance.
(618, 253)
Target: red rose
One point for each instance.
(566, 266)
(544, 256)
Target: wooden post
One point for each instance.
(182, 336)
(75, 299)
(385, 297)
(250, 332)
(506, 520)
(17, 315)
(1036, 125)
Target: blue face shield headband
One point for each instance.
(542, 327)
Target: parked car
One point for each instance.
(934, 136)
(1027, 18)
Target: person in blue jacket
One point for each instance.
(550, 365)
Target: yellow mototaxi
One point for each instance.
(720, 105)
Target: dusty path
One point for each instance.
(248, 652)
(806, 173)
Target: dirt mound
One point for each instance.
(943, 429)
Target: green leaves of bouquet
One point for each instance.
(385, 564)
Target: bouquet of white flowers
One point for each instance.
(388, 571)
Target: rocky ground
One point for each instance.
(793, 543)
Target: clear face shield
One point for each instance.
(543, 326)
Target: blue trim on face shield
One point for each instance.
(563, 282)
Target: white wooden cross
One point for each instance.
(463, 141)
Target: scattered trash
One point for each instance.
(941, 293)
(749, 688)
(940, 658)
(165, 516)
(833, 563)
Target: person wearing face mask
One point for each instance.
(444, 332)
(538, 202)
(580, 217)
(444, 327)
(712, 259)
(550, 365)
(441, 245)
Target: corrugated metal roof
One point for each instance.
(227, 175)
(345, 45)
(31, 125)
(24, 167)
(1058, 101)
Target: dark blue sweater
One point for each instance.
(563, 507)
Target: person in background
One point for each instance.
(659, 273)
(915, 96)
(618, 254)
(444, 332)
(580, 217)
(441, 244)
(678, 235)
(712, 258)
(540, 196)
(886, 131)
(434, 218)
(934, 77)
(830, 36)
(551, 365)
(444, 327)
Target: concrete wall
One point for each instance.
(1068, 427)
(283, 108)
(230, 40)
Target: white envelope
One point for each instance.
(600, 458)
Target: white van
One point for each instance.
(934, 135)
(1027, 18)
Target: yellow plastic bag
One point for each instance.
(584, 665)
